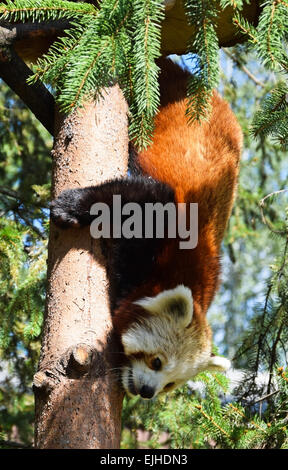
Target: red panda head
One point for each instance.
(167, 345)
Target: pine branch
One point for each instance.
(264, 219)
(265, 397)
(246, 28)
(272, 118)
(273, 24)
(202, 15)
(235, 4)
(23, 216)
(147, 15)
(212, 420)
(53, 64)
(120, 40)
(43, 10)
(9, 192)
(243, 68)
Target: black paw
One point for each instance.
(67, 211)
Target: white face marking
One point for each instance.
(168, 333)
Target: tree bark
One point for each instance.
(31, 43)
(15, 73)
(78, 398)
(176, 32)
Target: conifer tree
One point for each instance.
(119, 41)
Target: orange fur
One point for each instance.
(200, 162)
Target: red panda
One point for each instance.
(161, 293)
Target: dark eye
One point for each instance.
(156, 364)
(169, 385)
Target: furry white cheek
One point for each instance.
(138, 340)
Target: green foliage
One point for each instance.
(257, 230)
(21, 284)
(205, 421)
(42, 10)
(146, 48)
(22, 292)
(24, 162)
(272, 118)
(120, 40)
(24, 192)
(269, 41)
(236, 4)
(272, 35)
(202, 15)
(249, 318)
(263, 172)
(264, 342)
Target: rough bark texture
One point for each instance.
(78, 399)
(15, 73)
(175, 34)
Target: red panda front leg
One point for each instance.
(72, 207)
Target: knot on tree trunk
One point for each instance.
(73, 364)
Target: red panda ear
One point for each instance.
(177, 302)
(218, 363)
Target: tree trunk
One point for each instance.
(78, 399)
